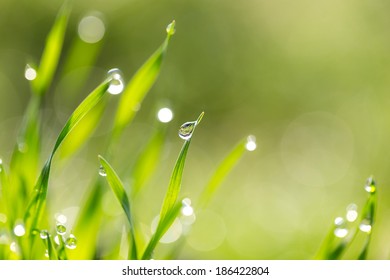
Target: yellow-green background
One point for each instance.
(310, 79)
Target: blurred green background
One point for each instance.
(310, 79)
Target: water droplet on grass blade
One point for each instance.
(340, 230)
(57, 239)
(61, 229)
(171, 28)
(117, 83)
(102, 171)
(251, 143)
(365, 226)
(71, 242)
(44, 234)
(30, 73)
(46, 253)
(370, 185)
(14, 247)
(186, 130)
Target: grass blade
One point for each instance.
(51, 53)
(120, 193)
(223, 170)
(36, 205)
(168, 208)
(139, 85)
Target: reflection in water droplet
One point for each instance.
(71, 242)
(251, 143)
(61, 229)
(19, 230)
(171, 28)
(186, 130)
(44, 234)
(352, 213)
(365, 226)
(91, 29)
(117, 83)
(30, 73)
(165, 115)
(102, 171)
(370, 185)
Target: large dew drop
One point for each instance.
(30, 73)
(44, 234)
(61, 229)
(71, 242)
(186, 130)
(251, 143)
(117, 83)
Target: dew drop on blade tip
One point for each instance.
(117, 83)
(251, 143)
(370, 186)
(71, 242)
(61, 229)
(102, 171)
(186, 130)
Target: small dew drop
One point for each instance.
(117, 83)
(46, 253)
(171, 28)
(44, 234)
(19, 230)
(61, 218)
(187, 209)
(341, 232)
(186, 130)
(91, 29)
(365, 226)
(339, 221)
(251, 143)
(352, 213)
(61, 229)
(370, 185)
(57, 239)
(30, 73)
(71, 242)
(102, 171)
(165, 115)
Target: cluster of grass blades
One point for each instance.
(25, 223)
(349, 237)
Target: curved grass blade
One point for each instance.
(51, 53)
(51, 252)
(222, 171)
(140, 84)
(168, 208)
(36, 205)
(120, 193)
(147, 161)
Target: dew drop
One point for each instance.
(30, 73)
(365, 226)
(171, 28)
(340, 231)
(19, 230)
(370, 185)
(61, 218)
(61, 229)
(71, 242)
(187, 209)
(186, 130)
(44, 234)
(352, 213)
(116, 84)
(14, 247)
(46, 253)
(251, 143)
(165, 115)
(57, 239)
(102, 171)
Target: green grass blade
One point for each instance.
(147, 161)
(36, 206)
(170, 200)
(222, 171)
(120, 193)
(139, 85)
(368, 217)
(51, 53)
